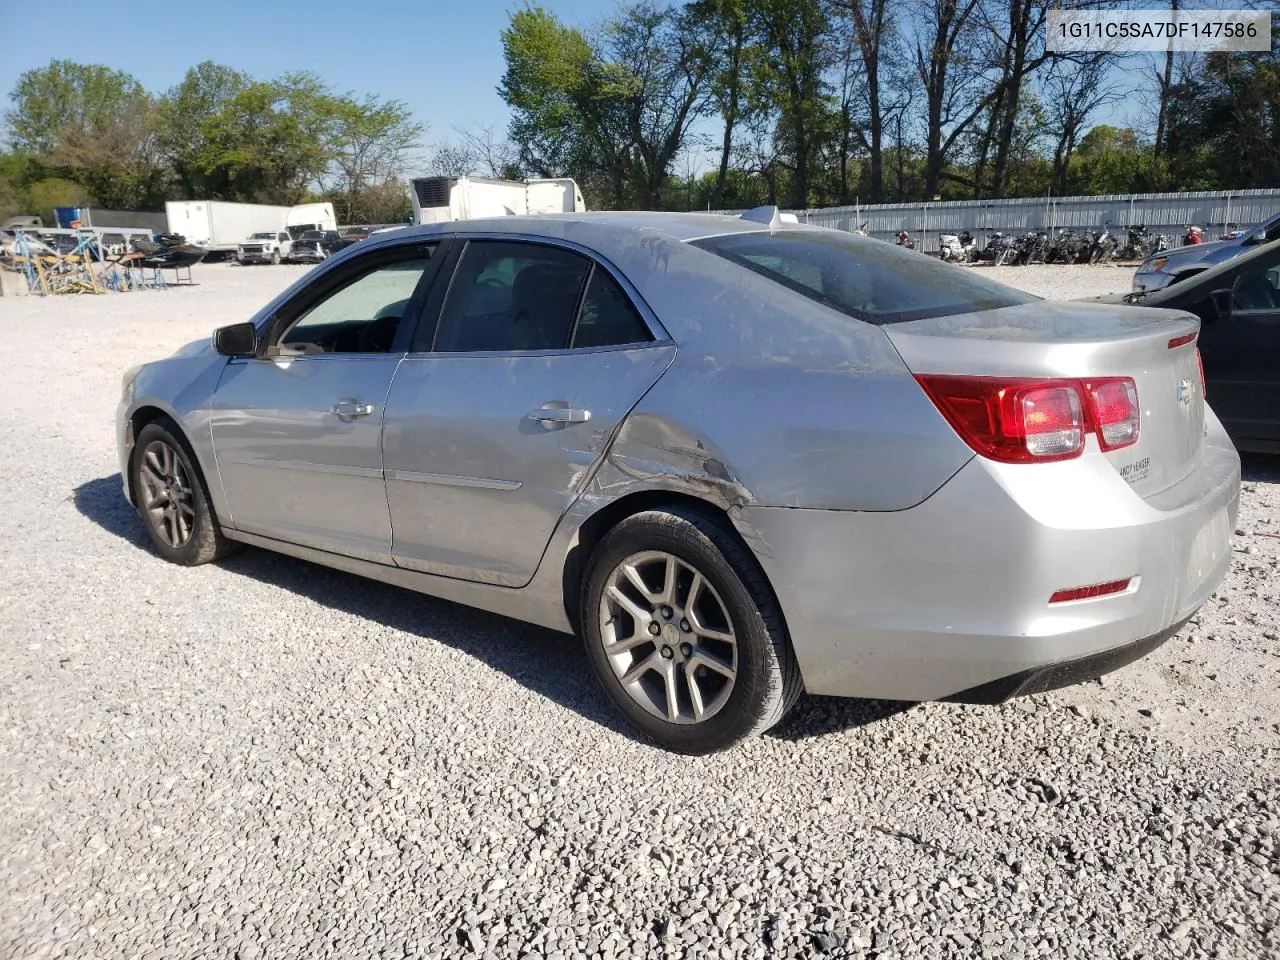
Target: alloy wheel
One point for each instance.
(167, 497)
(668, 637)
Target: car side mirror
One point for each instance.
(1221, 300)
(236, 340)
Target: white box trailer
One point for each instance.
(218, 225)
(310, 216)
(437, 199)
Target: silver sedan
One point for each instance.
(741, 457)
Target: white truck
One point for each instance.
(220, 226)
(437, 199)
(274, 246)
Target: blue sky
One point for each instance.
(444, 59)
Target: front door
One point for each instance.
(297, 431)
(495, 426)
(1242, 357)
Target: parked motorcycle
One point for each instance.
(862, 230)
(1103, 247)
(1193, 235)
(1142, 244)
(999, 250)
(904, 240)
(958, 247)
(1030, 247)
(1068, 247)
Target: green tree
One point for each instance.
(795, 35)
(92, 126)
(1108, 160)
(547, 85)
(187, 114)
(370, 141)
(50, 101)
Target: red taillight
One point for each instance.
(1013, 421)
(1114, 405)
(1036, 421)
(1204, 389)
(1088, 593)
(1181, 341)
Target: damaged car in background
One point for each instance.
(740, 457)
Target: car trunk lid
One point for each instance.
(1080, 340)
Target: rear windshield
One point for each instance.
(864, 278)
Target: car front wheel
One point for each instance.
(171, 497)
(685, 633)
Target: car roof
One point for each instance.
(676, 226)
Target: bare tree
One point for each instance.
(873, 34)
(492, 153)
(656, 74)
(450, 159)
(951, 75)
(1073, 90)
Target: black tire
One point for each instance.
(767, 681)
(275, 258)
(204, 541)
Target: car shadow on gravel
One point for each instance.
(1260, 468)
(819, 716)
(550, 664)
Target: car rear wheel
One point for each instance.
(685, 633)
(172, 498)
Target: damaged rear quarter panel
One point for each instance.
(772, 399)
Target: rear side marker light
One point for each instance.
(1095, 590)
(1036, 421)
(1204, 389)
(1186, 338)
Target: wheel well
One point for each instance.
(602, 521)
(141, 417)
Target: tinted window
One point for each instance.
(1258, 289)
(867, 279)
(511, 296)
(608, 317)
(361, 316)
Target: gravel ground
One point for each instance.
(264, 758)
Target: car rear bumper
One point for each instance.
(950, 599)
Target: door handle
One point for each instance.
(350, 408)
(551, 417)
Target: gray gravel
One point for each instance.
(267, 759)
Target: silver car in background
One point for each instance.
(740, 457)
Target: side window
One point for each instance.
(361, 316)
(508, 295)
(608, 317)
(282, 237)
(1258, 290)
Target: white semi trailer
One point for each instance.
(437, 199)
(220, 226)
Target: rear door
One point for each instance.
(1242, 357)
(497, 419)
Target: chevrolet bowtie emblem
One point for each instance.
(1186, 390)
